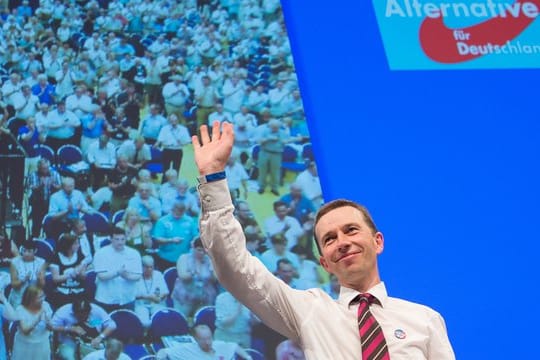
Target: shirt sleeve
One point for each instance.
(59, 317)
(439, 345)
(242, 274)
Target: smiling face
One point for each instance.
(349, 247)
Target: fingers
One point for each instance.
(216, 133)
(195, 141)
(205, 138)
(227, 128)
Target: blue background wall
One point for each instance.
(447, 161)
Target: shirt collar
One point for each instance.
(346, 295)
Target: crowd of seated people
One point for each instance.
(104, 96)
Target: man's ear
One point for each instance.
(379, 241)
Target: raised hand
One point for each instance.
(212, 154)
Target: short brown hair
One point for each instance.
(339, 203)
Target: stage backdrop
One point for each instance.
(445, 158)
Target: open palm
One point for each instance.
(212, 153)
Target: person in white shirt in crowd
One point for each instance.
(183, 195)
(249, 119)
(25, 270)
(308, 181)
(234, 92)
(149, 207)
(67, 203)
(52, 63)
(151, 291)
(244, 140)
(237, 176)
(203, 348)
(110, 81)
(295, 107)
(153, 79)
(98, 57)
(168, 190)
(63, 32)
(61, 127)
(233, 320)
(25, 103)
(43, 117)
(152, 124)
(32, 78)
(65, 80)
(171, 139)
(136, 151)
(206, 96)
(118, 269)
(144, 176)
(208, 46)
(276, 251)
(102, 159)
(11, 87)
(194, 77)
(86, 73)
(175, 94)
(31, 340)
(277, 99)
(216, 73)
(282, 223)
(92, 40)
(309, 275)
(159, 44)
(80, 103)
(113, 351)
(257, 99)
(219, 114)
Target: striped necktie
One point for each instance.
(373, 342)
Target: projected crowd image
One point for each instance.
(98, 203)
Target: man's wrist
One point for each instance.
(211, 177)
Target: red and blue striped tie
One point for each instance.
(373, 342)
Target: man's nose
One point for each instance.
(343, 242)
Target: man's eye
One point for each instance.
(329, 239)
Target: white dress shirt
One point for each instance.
(324, 328)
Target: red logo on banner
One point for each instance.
(451, 46)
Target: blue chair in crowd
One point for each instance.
(170, 276)
(166, 322)
(207, 316)
(97, 223)
(130, 331)
(44, 249)
(46, 152)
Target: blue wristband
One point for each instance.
(203, 179)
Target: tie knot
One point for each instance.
(365, 298)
